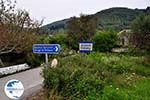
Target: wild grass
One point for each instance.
(99, 76)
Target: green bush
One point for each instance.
(105, 40)
(56, 39)
(74, 80)
(60, 39)
(34, 60)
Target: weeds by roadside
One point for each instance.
(104, 76)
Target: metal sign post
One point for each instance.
(46, 60)
(46, 49)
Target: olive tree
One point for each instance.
(17, 30)
(80, 29)
(141, 32)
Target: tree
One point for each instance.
(17, 29)
(141, 32)
(80, 29)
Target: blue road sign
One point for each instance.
(46, 48)
(86, 46)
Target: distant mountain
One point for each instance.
(117, 18)
(55, 26)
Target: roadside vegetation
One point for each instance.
(98, 75)
(103, 76)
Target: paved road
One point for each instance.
(31, 80)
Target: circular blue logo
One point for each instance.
(14, 89)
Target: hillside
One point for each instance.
(117, 18)
(50, 28)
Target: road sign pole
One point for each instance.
(46, 60)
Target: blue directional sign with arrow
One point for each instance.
(46, 48)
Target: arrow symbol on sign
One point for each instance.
(56, 48)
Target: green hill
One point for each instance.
(116, 18)
(55, 26)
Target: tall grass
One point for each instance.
(99, 76)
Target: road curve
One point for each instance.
(31, 80)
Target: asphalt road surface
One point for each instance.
(31, 80)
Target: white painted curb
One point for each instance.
(13, 69)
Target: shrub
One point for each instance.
(72, 79)
(56, 39)
(105, 40)
(72, 84)
(34, 60)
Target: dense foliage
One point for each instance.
(98, 76)
(18, 32)
(80, 29)
(105, 40)
(59, 38)
(141, 32)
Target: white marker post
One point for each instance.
(46, 60)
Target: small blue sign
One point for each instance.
(86, 46)
(46, 48)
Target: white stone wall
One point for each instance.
(13, 69)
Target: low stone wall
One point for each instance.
(13, 69)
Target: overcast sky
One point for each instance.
(54, 10)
